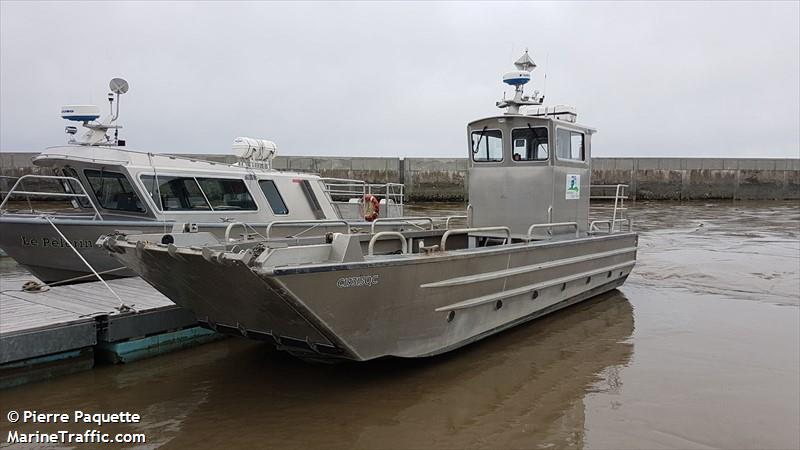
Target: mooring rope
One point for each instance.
(122, 303)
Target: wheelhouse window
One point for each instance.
(73, 187)
(273, 197)
(227, 194)
(175, 193)
(529, 144)
(487, 145)
(113, 191)
(569, 145)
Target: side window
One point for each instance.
(487, 145)
(113, 191)
(273, 197)
(175, 193)
(569, 145)
(73, 188)
(225, 194)
(530, 144)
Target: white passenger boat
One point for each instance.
(111, 187)
(529, 249)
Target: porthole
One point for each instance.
(451, 315)
(563, 287)
(620, 273)
(588, 280)
(609, 274)
(535, 295)
(498, 304)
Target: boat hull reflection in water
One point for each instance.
(517, 389)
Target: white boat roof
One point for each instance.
(532, 117)
(133, 159)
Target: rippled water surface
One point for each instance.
(699, 349)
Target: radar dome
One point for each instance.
(80, 113)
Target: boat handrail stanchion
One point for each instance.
(306, 222)
(389, 220)
(13, 190)
(550, 226)
(449, 218)
(230, 227)
(449, 233)
(594, 228)
(381, 234)
(618, 209)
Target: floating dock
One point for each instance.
(67, 329)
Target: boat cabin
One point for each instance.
(527, 169)
(529, 166)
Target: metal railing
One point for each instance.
(65, 194)
(448, 219)
(400, 221)
(395, 234)
(348, 188)
(619, 196)
(449, 233)
(594, 226)
(313, 223)
(245, 227)
(550, 226)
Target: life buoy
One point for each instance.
(372, 207)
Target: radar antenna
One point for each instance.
(89, 115)
(518, 78)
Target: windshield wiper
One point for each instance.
(478, 144)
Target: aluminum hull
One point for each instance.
(404, 306)
(35, 245)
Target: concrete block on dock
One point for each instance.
(280, 162)
(625, 163)
(332, 163)
(713, 163)
(301, 164)
(707, 184)
(603, 164)
(756, 164)
(760, 184)
(671, 163)
(647, 164)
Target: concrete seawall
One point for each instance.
(439, 179)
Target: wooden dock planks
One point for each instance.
(64, 318)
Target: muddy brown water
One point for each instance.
(699, 349)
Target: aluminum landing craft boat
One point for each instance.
(109, 188)
(529, 249)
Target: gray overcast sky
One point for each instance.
(403, 79)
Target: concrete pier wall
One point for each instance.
(439, 179)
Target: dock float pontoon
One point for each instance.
(64, 329)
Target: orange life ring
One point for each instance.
(372, 207)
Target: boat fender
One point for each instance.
(372, 207)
